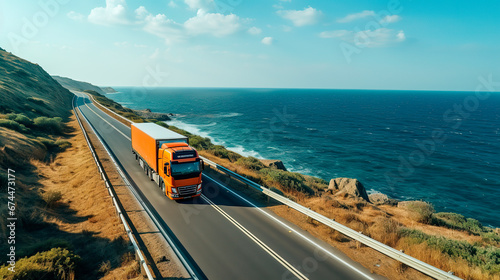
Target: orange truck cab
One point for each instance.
(167, 159)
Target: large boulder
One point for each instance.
(274, 163)
(379, 198)
(349, 186)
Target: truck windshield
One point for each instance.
(186, 169)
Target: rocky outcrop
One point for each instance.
(349, 186)
(147, 114)
(274, 163)
(382, 199)
(378, 198)
(108, 90)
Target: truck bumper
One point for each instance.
(176, 197)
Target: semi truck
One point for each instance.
(167, 159)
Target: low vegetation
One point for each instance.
(59, 234)
(447, 240)
(420, 211)
(115, 107)
(485, 257)
(57, 263)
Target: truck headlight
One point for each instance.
(199, 187)
(174, 190)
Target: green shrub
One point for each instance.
(457, 221)
(316, 183)
(222, 152)
(36, 101)
(20, 118)
(162, 124)
(487, 258)
(45, 245)
(288, 180)
(13, 125)
(250, 163)
(491, 237)
(62, 144)
(51, 125)
(54, 146)
(58, 263)
(52, 198)
(422, 211)
(200, 143)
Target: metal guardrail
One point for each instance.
(93, 99)
(372, 243)
(119, 211)
(183, 260)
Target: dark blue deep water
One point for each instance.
(441, 147)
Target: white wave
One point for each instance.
(230, 115)
(192, 128)
(223, 115)
(207, 125)
(301, 170)
(311, 129)
(244, 152)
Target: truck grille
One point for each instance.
(188, 190)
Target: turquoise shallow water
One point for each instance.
(442, 147)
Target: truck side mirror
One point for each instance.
(166, 169)
(202, 163)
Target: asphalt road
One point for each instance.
(222, 234)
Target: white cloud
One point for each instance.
(401, 36)
(216, 24)
(75, 16)
(141, 12)
(204, 5)
(267, 41)
(368, 38)
(121, 44)
(254, 30)
(113, 13)
(390, 19)
(165, 28)
(308, 16)
(353, 17)
(172, 4)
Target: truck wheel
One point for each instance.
(163, 189)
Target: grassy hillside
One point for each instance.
(59, 235)
(78, 86)
(26, 88)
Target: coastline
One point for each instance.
(443, 240)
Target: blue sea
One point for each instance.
(441, 147)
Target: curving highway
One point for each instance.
(223, 235)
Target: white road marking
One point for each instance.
(124, 135)
(265, 213)
(291, 229)
(266, 248)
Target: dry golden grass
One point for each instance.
(86, 217)
(379, 222)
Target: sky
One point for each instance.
(348, 44)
